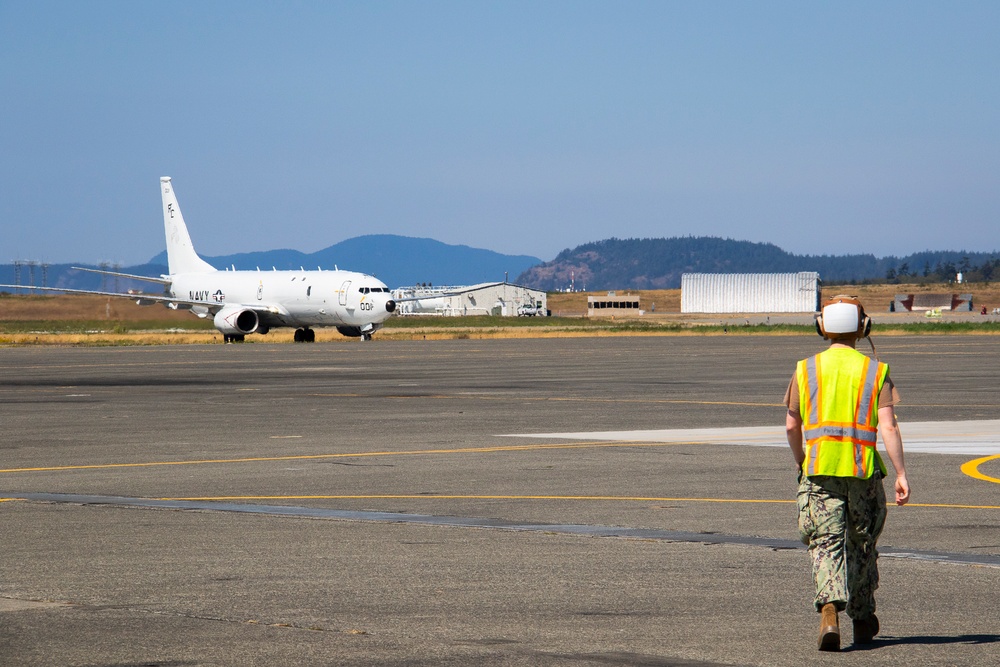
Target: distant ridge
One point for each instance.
(659, 263)
(395, 260)
(398, 261)
(602, 265)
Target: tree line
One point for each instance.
(659, 263)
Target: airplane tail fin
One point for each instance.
(181, 257)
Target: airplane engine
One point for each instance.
(351, 332)
(364, 332)
(235, 321)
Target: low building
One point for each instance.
(927, 302)
(750, 292)
(499, 299)
(613, 305)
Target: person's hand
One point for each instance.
(902, 490)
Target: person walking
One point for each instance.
(839, 401)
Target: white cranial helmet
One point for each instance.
(843, 317)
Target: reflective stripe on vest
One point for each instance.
(848, 430)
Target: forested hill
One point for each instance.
(659, 263)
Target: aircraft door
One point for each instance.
(343, 292)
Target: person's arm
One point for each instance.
(893, 442)
(793, 430)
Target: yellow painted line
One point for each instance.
(640, 499)
(488, 497)
(948, 405)
(305, 457)
(658, 400)
(951, 506)
(972, 469)
(556, 399)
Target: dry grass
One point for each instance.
(85, 307)
(102, 321)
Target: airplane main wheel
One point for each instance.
(299, 336)
(309, 335)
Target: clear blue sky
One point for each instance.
(521, 127)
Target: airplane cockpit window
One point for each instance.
(373, 290)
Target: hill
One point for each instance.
(602, 265)
(659, 264)
(396, 260)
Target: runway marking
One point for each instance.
(306, 457)
(551, 399)
(972, 469)
(434, 496)
(937, 437)
(573, 399)
(975, 438)
(569, 498)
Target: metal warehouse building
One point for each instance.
(750, 292)
(502, 299)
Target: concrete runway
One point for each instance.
(590, 501)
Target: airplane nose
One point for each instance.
(390, 306)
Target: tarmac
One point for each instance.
(579, 501)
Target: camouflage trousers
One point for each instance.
(840, 519)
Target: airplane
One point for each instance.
(241, 303)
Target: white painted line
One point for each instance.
(974, 438)
(13, 604)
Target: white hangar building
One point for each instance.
(500, 299)
(750, 292)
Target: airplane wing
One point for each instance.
(269, 313)
(438, 295)
(161, 280)
(141, 299)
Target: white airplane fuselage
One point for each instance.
(298, 299)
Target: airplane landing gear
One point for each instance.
(305, 335)
(232, 338)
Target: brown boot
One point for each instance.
(829, 628)
(865, 630)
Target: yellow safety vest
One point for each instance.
(838, 402)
